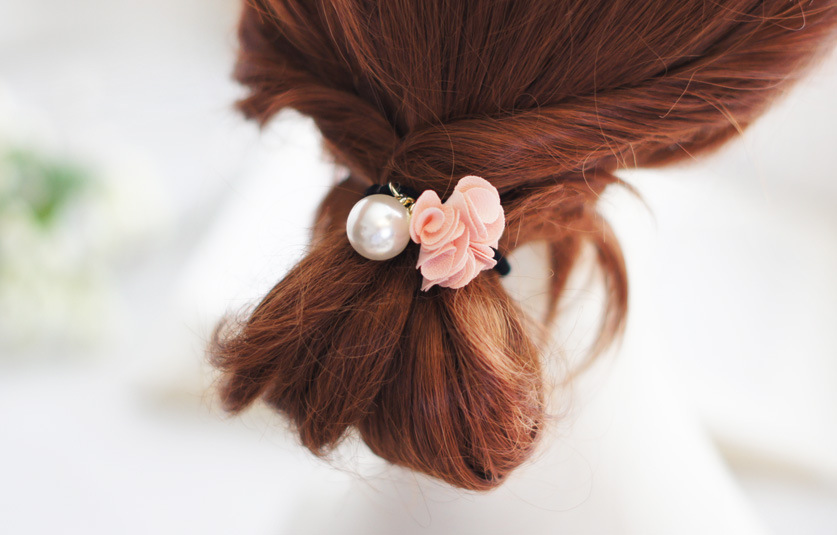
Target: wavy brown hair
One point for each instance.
(546, 100)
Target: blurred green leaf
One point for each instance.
(45, 185)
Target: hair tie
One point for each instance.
(458, 237)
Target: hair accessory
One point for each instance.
(378, 226)
(458, 238)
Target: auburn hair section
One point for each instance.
(546, 101)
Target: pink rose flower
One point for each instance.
(478, 203)
(457, 236)
(451, 265)
(433, 224)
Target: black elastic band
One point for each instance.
(502, 267)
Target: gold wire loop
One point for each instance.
(406, 201)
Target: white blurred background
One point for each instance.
(136, 208)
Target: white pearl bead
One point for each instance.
(378, 227)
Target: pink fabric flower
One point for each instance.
(434, 224)
(457, 236)
(478, 203)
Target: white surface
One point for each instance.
(731, 337)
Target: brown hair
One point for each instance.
(544, 99)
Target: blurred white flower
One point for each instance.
(65, 228)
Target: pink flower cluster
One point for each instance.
(457, 236)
